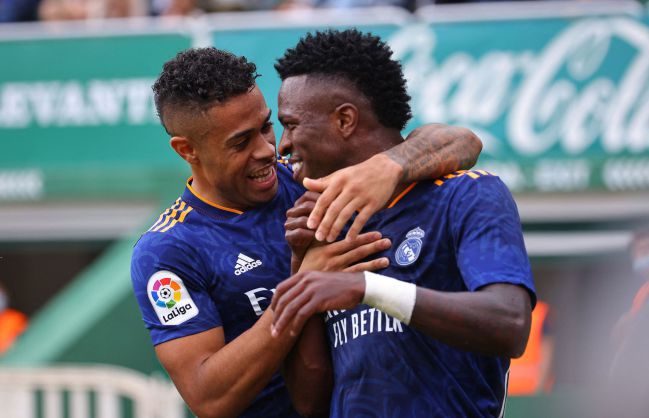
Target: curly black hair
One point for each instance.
(361, 58)
(198, 78)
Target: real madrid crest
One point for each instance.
(409, 250)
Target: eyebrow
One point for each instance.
(247, 131)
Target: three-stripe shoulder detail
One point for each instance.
(171, 217)
(474, 174)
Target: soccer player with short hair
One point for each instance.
(205, 272)
(431, 336)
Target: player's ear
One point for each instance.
(185, 148)
(346, 116)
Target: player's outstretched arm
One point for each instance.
(429, 152)
(493, 321)
(221, 380)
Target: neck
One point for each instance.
(206, 191)
(374, 142)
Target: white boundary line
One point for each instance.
(576, 243)
(309, 18)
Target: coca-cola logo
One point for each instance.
(586, 90)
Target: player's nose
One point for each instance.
(264, 148)
(285, 145)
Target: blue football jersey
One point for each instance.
(455, 234)
(202, 266)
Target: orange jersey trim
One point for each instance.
(401, 195)
(191, 189)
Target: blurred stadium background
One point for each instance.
(557, 90)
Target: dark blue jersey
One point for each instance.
(455, 234)
(202, 266)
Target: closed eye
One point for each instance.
(267, 127)
(242, 144)
(290, 125)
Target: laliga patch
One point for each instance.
(409, 250)
(170, 298)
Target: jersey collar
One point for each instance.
(196, 200)
(401, 195)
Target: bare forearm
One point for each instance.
(228, 381)
(308, 371)
(432, 151)
(483, 321)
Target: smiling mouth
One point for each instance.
(263, 175)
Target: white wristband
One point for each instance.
(392, 296)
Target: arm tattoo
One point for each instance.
(434, 150)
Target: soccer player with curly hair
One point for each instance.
(432, 335)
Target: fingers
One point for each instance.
(298, 236)
(299, 211)
(299, 239)
(303, 206)
(309, 196)
(287, 303)
(316, 185)
(334, 221)
(298, 222)
(373, 265)
(307, 310)
(322, 204)
(287, 315)
(359, 222)
(364, 251)
(345, 246)
(284, 287)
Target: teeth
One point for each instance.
(263, 174)
(297, 166)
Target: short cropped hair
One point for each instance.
(198, 78)
(363, 59)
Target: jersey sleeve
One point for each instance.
(171, 290)
(488, 236)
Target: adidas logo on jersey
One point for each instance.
(244, 264)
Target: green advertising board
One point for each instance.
(77, 116)
(560, 103)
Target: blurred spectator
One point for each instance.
(173, 7)
(12, 322)
(629, 383)
(91, 9)
(18, 10)
(186, 7)
(531, 373)
(468, 1)
(490, 1)
(346, 4)
(406, 4)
